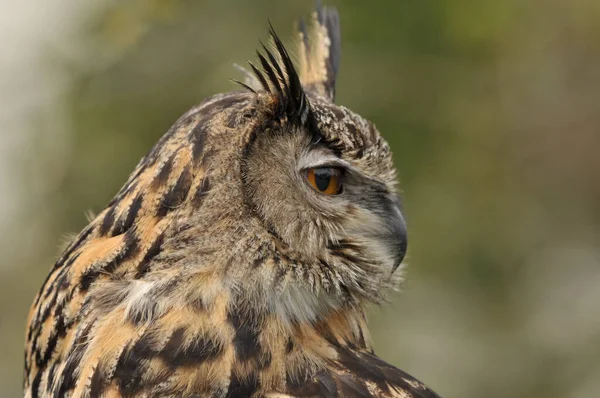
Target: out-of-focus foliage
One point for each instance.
(492, 110)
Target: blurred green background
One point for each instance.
(493, 112)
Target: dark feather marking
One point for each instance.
(143, 348)
(289, 346)
(261, 256)
(69, 263)
(232, 120)
(361, 339)
(125, 191)
(165, 171)
(198, 137)
(177, 194)
(201, 349)
(174, 345)
(27, 365)
(69, 373)
(258, 262)
(384, 373)
(346, 250)
(298, 383)
(62, 281)
(361, 368)
(328, 384)
(245, 341)
(131, 370)
(126, 221)
(130, 248)
(350, 258)
(338, 113)
(367, 367)
(343, 245)
(107, 221)
(187, 119)
(152, 252)
(35, 384)
(48, 309)
(97, 383)
(249, 113)
(242, 387)
(131, 366)
(42, 316)
(58, 332)
(87, 279)
(51, 372)
(201, 191)
(325, 330)
(353, 388)
(321, 385)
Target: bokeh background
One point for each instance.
(493, 112)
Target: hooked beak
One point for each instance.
(393, 234)
(396, 236)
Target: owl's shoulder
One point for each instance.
(357, 373)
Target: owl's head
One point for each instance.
(325, 190)
(318, 177)
(288, 197)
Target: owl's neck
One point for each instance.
(344, 328)
(292, 353)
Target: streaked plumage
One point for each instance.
(217, 271)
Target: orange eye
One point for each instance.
(327, 180)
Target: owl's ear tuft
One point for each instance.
(320, 51)
(279, 78)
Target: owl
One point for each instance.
(239, 256)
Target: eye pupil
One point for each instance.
(327, 180)
(322, 179)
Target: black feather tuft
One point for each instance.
(260, 77)
(247, 87)
(280, 79)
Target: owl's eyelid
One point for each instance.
(328, 165)
(326, 162)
